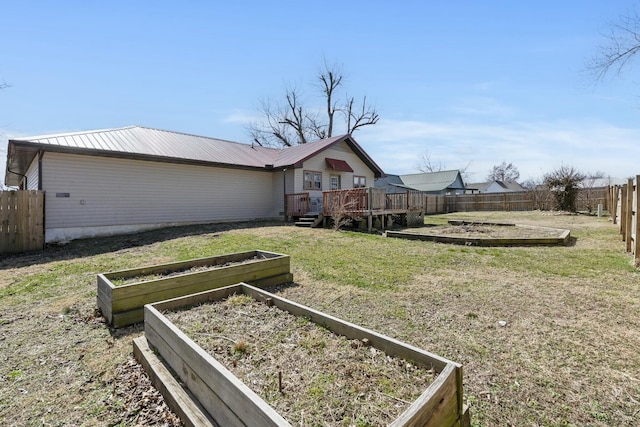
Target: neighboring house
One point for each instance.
(494, 187)
(135, 178)
(391, 183)
(440, 183)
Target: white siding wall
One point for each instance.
(277, 205)
(108, 195)
(32, 175)
(318, 163)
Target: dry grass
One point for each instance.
(567, 355)
(310, 375)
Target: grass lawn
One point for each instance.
(569, 353)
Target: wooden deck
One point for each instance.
(373, 204)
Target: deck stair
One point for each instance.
(310, 220)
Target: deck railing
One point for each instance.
(298, 204)
(370, 200)
(409, 200)
(354, 201)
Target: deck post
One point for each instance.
(369, 211)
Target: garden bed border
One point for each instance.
(230, 402)
(123, 305)
(562, 239)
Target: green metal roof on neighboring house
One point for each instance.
(434, 181)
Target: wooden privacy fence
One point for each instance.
(21, 221)
(362, 200)
(512, 201)
(624, 201)
(587, 199)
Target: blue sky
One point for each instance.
(466, 82)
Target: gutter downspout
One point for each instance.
(284, 193)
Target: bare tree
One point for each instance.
(538, 191)
(622, 44)
(292, 122)
(365, 116)
(504, 172)
(427, 165)
(564, 183)
(589, 185)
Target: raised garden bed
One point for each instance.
(474, 233)
(406, 385)
(123, 294)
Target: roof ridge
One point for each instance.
(201, 136)
(105, 130)
(430, 173)
(83, 132)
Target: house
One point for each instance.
(116, 181)
(494, 187)
(439, 183)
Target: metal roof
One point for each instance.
(434, 181)
(159, 145)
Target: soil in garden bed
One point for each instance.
(483, 231)
(171, 273)
(308, 374)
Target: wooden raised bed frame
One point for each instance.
(229, 402)
(123, 305)
(562, 239)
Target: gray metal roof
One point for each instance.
(160, 145)
(434, 181)
(391, 183)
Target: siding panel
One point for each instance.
(32, 175)
(109, 191)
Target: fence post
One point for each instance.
(629, 214)
(636, 221)
(613, 208)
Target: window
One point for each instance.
(312, 180)
(335, 182)
(359, 181)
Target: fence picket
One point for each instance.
(21, 221)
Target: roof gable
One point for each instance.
(295, 156)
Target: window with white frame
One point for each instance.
(312, 180)
(334, 181)
(359, 181)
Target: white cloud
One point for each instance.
(239, 117)
(534, 147)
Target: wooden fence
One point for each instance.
(21, 221)
(376, 199)
(587, 200)
(624, 201)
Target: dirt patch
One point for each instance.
(310, 375)
(487, 231)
